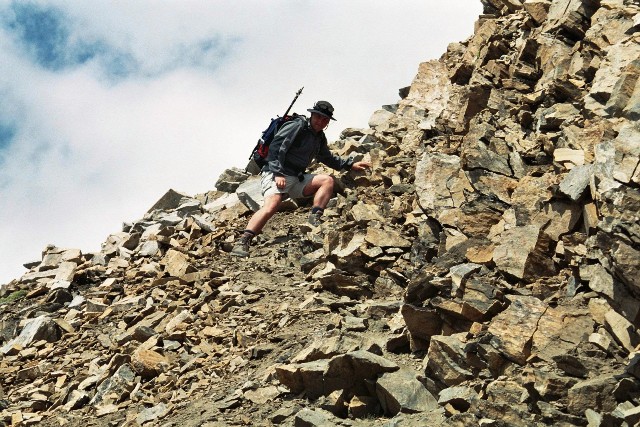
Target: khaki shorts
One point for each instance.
(294, 188)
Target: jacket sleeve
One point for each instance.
(281, 144)
(335, 162)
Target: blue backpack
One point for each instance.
(261, 150)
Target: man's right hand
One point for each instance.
(360, 166)
(280, 181)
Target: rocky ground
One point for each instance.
(484, 272)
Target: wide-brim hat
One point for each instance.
(324, 108)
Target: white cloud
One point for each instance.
(92, 150)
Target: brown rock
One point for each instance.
(524, 252)
(149, 363)
(513, 329)
(177, 264)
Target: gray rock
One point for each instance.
(421, 322)
(39, 328)
(189, 208)
(342, 283)
(166, 219)
(250, 194)
(400, 391)
(352, 323)
(150, 248)
(314, 418)
(76, 400)
(632, 109)
(600, 280)
(37, 275)
(312, 259)
(618, 57)
(169, 201)
(460, 397)
(305, 377)
(328, 347)
(380, 117)
(570, 16)
(203, 223)
(627, 146)
(386, 238)
(54, 256)
(631, 415)
(460, 273)
(226, 201)
(633, 368)
(118, 385)
(346, 244)
(448, 362)
(351, 371)
(364, 212)
(507, 397)
(153, 413)
(436, 195)
(231, 179)
(481, 300)
(576, 182)
(623, 89)
(551, 118)
(552, 386)
(623, 330)
(478, 156)
(279, 416)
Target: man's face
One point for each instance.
(319, 122)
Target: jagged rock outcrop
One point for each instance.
(484, 272)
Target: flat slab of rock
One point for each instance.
(524, 252)
(170, 200)
(386, 238)
(39, 328)
(623, 330)
(576, 182)
(513, 329)
(447, 361)
(400, 391)
(250, 194)
(349, 371)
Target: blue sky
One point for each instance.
(105, 105)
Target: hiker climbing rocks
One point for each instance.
(295, 145)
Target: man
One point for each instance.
(293, 148)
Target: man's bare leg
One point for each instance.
(264, 214)
(321, 186)
(255, 225)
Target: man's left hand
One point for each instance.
(360, 166)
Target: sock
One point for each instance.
(317, 209)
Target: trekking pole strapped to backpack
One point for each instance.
(293, 102)
(258, 157)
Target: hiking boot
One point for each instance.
(315, 219)
(241, 249)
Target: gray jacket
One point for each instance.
(296, 145)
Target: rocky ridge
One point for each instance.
(485, 272)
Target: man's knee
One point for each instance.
(271, 205)
(326, 181)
